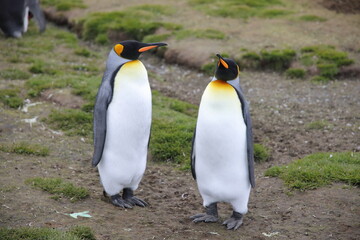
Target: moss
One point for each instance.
(41, 67)
(320, 79)
(274, 13)
(312, 18)
(63, 5)
(209, 68)
(59, 188)
(12, 73)
(317, 125)
(72, 121)
(319, 169)
(278, 60)
(250, 60)
(172, 130)
(328, 71)
(261, 153)
(295, 73)
(84, 52)
(156, 38)
(26, 149)
(233, 9)
(31, 233)
(136, 22)
(10, 97)
(84, 233)
(199, 33)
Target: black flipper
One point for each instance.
(103, 100)
(192, 156)
(249, 136)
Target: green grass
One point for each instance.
(63, 5)
(199, 33)
(27, 233)
(295, 73)
(71, 121)
(318, 125)
(13, 73)
(326, 59)
(261, 153)
(10, 97)
(312, 18)
(135, 22)
(237, 9)
(274, 13)
(172, 130)
(25, 149)
(156, 38)
(319, 169)
(59, 188)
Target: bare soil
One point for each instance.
(281, 110)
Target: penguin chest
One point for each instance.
(129, 115)
(220, 144)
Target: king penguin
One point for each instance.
(15, 15)
(222, 149)
(122, 121)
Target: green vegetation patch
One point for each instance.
(199, 33)
(312, 18)
(172, 130)
(274, 13)
(318, 125)
(237, 9)
(295, 73)
(25, 148)
(10, 97)
(13, 73)
(319, 169)
(72, 121)
(27, 233)
(135, 22)
(326, 59)
(63, 5)
(277, 59)
(59, 188)
(261, 153)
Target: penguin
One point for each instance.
(15, 15)
(122, 121)
(222, 155)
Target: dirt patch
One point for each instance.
(343, 6)
(62, 97)
(281, 111)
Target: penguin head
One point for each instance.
(131, 49)
(226, 69)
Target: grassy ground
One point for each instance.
(48, 145)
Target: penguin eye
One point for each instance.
(118, 49)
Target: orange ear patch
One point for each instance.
(118, 49)
(143, 49)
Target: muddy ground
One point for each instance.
(281, 110)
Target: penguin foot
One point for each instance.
(129, 197)
(234, 222)
(136, 201)
(203, 217)
(119, 202)
(211, 214)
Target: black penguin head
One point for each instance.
(226, 69)
(131, 49)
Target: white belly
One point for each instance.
(221, 153)
(128, 129)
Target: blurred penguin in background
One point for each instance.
(15, 16)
